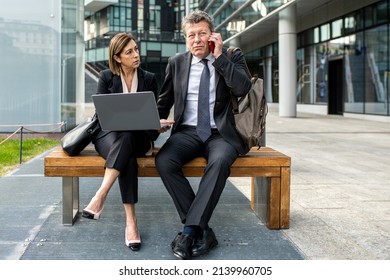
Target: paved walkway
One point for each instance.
(340, 204)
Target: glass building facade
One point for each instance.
(342, 63)
(42, 54)
(342, 51)
(345, 62)
(156, 25)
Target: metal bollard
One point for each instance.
(21, 146)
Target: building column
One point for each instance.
(287, 62)
(268, 75)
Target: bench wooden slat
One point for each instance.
(269, 157)
(189, 171)
(264, 162)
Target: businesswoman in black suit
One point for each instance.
(120, 149)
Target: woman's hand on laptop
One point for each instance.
(165, 125)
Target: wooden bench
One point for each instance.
(266, 163)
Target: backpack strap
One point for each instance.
(235, 101)
(230, 51)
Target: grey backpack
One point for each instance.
(250, 112)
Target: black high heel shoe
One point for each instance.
(134, 244)
(91, 214)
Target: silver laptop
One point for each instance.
(127, 111)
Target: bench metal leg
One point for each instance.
(270, 199)
(70, 196)
(260, 191)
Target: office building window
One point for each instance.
(350, 24)
(376, 70)
(381, 12)
(316, 35)
(337, 28)
(354, 73)
(325, 32)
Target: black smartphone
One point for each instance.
(211, 46)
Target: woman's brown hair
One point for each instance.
(117, 44)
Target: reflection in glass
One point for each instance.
(30, 64)
(377, 71)
(354, 73)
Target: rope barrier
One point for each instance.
(41, 124)
(9, 137)
(20, 129)
(47, 131)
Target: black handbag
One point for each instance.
(79, 137)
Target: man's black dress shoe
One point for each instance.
(204, 243)
(173, 243)
(181, 246)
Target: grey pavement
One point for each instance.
(340, 204)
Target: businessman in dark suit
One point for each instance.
(189, 77)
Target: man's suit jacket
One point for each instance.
(110, 83)
(230, 75)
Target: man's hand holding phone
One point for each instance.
(215, 44)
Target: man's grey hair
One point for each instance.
(196, 17)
